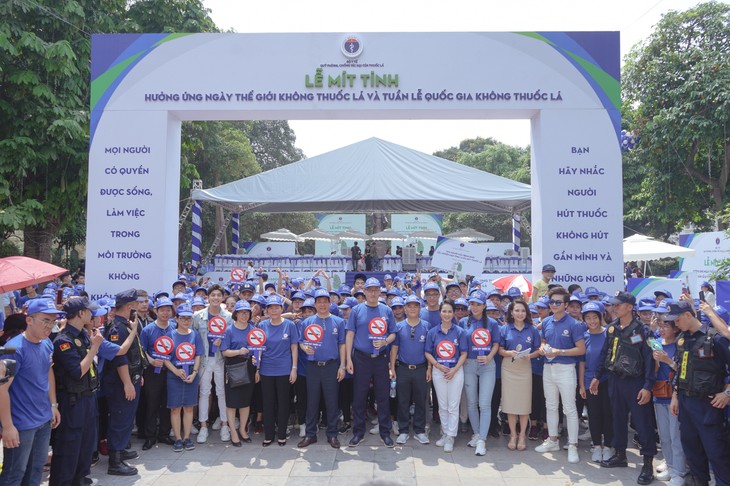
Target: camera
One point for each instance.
(7, 366)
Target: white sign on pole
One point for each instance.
(459, 257)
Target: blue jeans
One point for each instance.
(23, 465)
(479, 383)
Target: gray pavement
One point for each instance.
(220, 464)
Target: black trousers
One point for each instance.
(411, 386)
(346, 399)
(539, 413)
(600, 416)
(322, 382)
(275, 397)
(155, 404)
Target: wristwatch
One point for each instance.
(727, 393)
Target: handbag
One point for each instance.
(237, 374)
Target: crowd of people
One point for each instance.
(413, 357)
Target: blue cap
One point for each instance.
(514, 292)
(348, 303)
(79, 287)
(461, 301)
(372, 282)
(396, 279)
(259, 299)
(397, 301)
(663, 306)
(200, 288)
(358, 292)
(100, 311)
(69, 292)
(161, 293)
(430, 286)
(162, 302)
(242, 305)
(344, 290)
(491, 306)
(276, 300)
(295, 283)
(189, 291)
(723, 313)
(321, 292)
(248, 287)
(478, 297)
(592, 307)
(452, 284)
(308, 303)
(179, 296)
(705, 283)
(412, 298)
(198, 301)
(381, 300)
(180, 281)
(309, 292)
(125, 297)
(663, 292)
(543, 302)
(383, 290)
(75, 305)
(676, 309)
(335, 292)
(592, 292)
(393, 291)
(269, 284)
(49, 292)
(533, 308)
(494, 292)
(298, 295)
(575, 298)
(646, 305)
(387, 277)
(185, 310)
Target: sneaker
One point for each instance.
(548, 446)
(585, 435)
(302, 431)
(387, 440)
(178, 446)
(188, 445)
(396, 428)
(202, 435)
(441, 441)
(194, 430)
(607, 452)
(473, 441)
(481, 448)
(344, 427)
(374, 421)
(573, 454)
(597, 454)
(217, 424)
(676, 481)
(662, 466)
(225, 433)
(402, 439)
(663, 475)
(533, 433)
(89, 481)
(355, 441)
(375, 430)
(422, 438)
(449, 444)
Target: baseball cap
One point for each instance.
(646, 305)
(676, 309)
(125, 297)
(491, 306)
(397, 301)
(100, 311)
(494, 292)
(308, 303)
(548, 268)
(358, 292)
(387, 277)
(161, 293)
(75, 305)
(248, 287)
(430, 286)
(461, 301)
(533, 308)
(185, 310)
(197, 301)
(372, 282)
(179, 296)
(242, 305)
(662, 308)
(277, 300)
(663, 292)
(180, 281)
(543, 302)
(298, 295)
(344, 290)
(393, 291)
(622, 298)
(295, 283)
(452, 284)
(413, 298)
(204, 289)
(162, 302)
(723, 313)
(269, 285)
(592, 292)
(321, 292)
(478, 297)
(514, 292)
(348, 303)
(592, 307)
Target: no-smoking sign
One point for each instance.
(238, 274)
(445, 351)
(256, 340)
(481, 338)
(185, 352)
(377, 327)
(163, 345)
(217, 325)
(313, 334)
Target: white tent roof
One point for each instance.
(372, 175)
(640, 247)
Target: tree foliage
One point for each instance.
(676, 97)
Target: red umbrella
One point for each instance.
(17, 272)
(519, 281)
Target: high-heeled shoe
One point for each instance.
(512, 444)
(522, 443)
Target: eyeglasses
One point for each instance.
(556, 302)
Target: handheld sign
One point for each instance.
(185, 354)
(162, 348)
(445, 352)
(238, 274)
(377, 327)
(481, 340)
(313, 335)
(256, 339)
(216, 328)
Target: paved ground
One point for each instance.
(219, 464)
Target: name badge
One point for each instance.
(635, 339)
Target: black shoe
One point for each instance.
(148, 444)
(387, 441)
(647, 474)
(94, 458)
(127, 455)
(344, 427)
(494, 432)
(618, 459)
(166, 440)
(635, 441)
(355, 441)
(117, 467)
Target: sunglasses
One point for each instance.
(556, 302)
(413, 332)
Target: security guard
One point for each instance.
(626, 360)
(76, 381)
(322, 339)
(121, 379)
(700, 396)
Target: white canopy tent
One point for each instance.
(369, 176)
(645, 248)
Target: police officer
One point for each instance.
(626, 360)
(700, 396)
(121, 379)
(325, 366)
(76, 381)
(370, 329)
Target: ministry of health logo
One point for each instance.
(352, 46)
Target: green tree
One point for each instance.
(171, 16)
(675, 90)
(272, 142)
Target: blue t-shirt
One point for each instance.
(359, 322)
(149, 335)
(30, 406)
(592, 358)
(236, 338)
(411, 342)
(562, 334)
(470, 326)
(513, 339)
(333, 336)
(662, 373)
(433, 317)
(186, 347)
(276, 360)
(447, 348)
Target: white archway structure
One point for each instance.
(144, 86)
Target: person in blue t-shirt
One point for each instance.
(28, 406)
(562, 345)
(277, 370)
(600, 420)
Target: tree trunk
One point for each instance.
(37, 242)
(223, 248)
